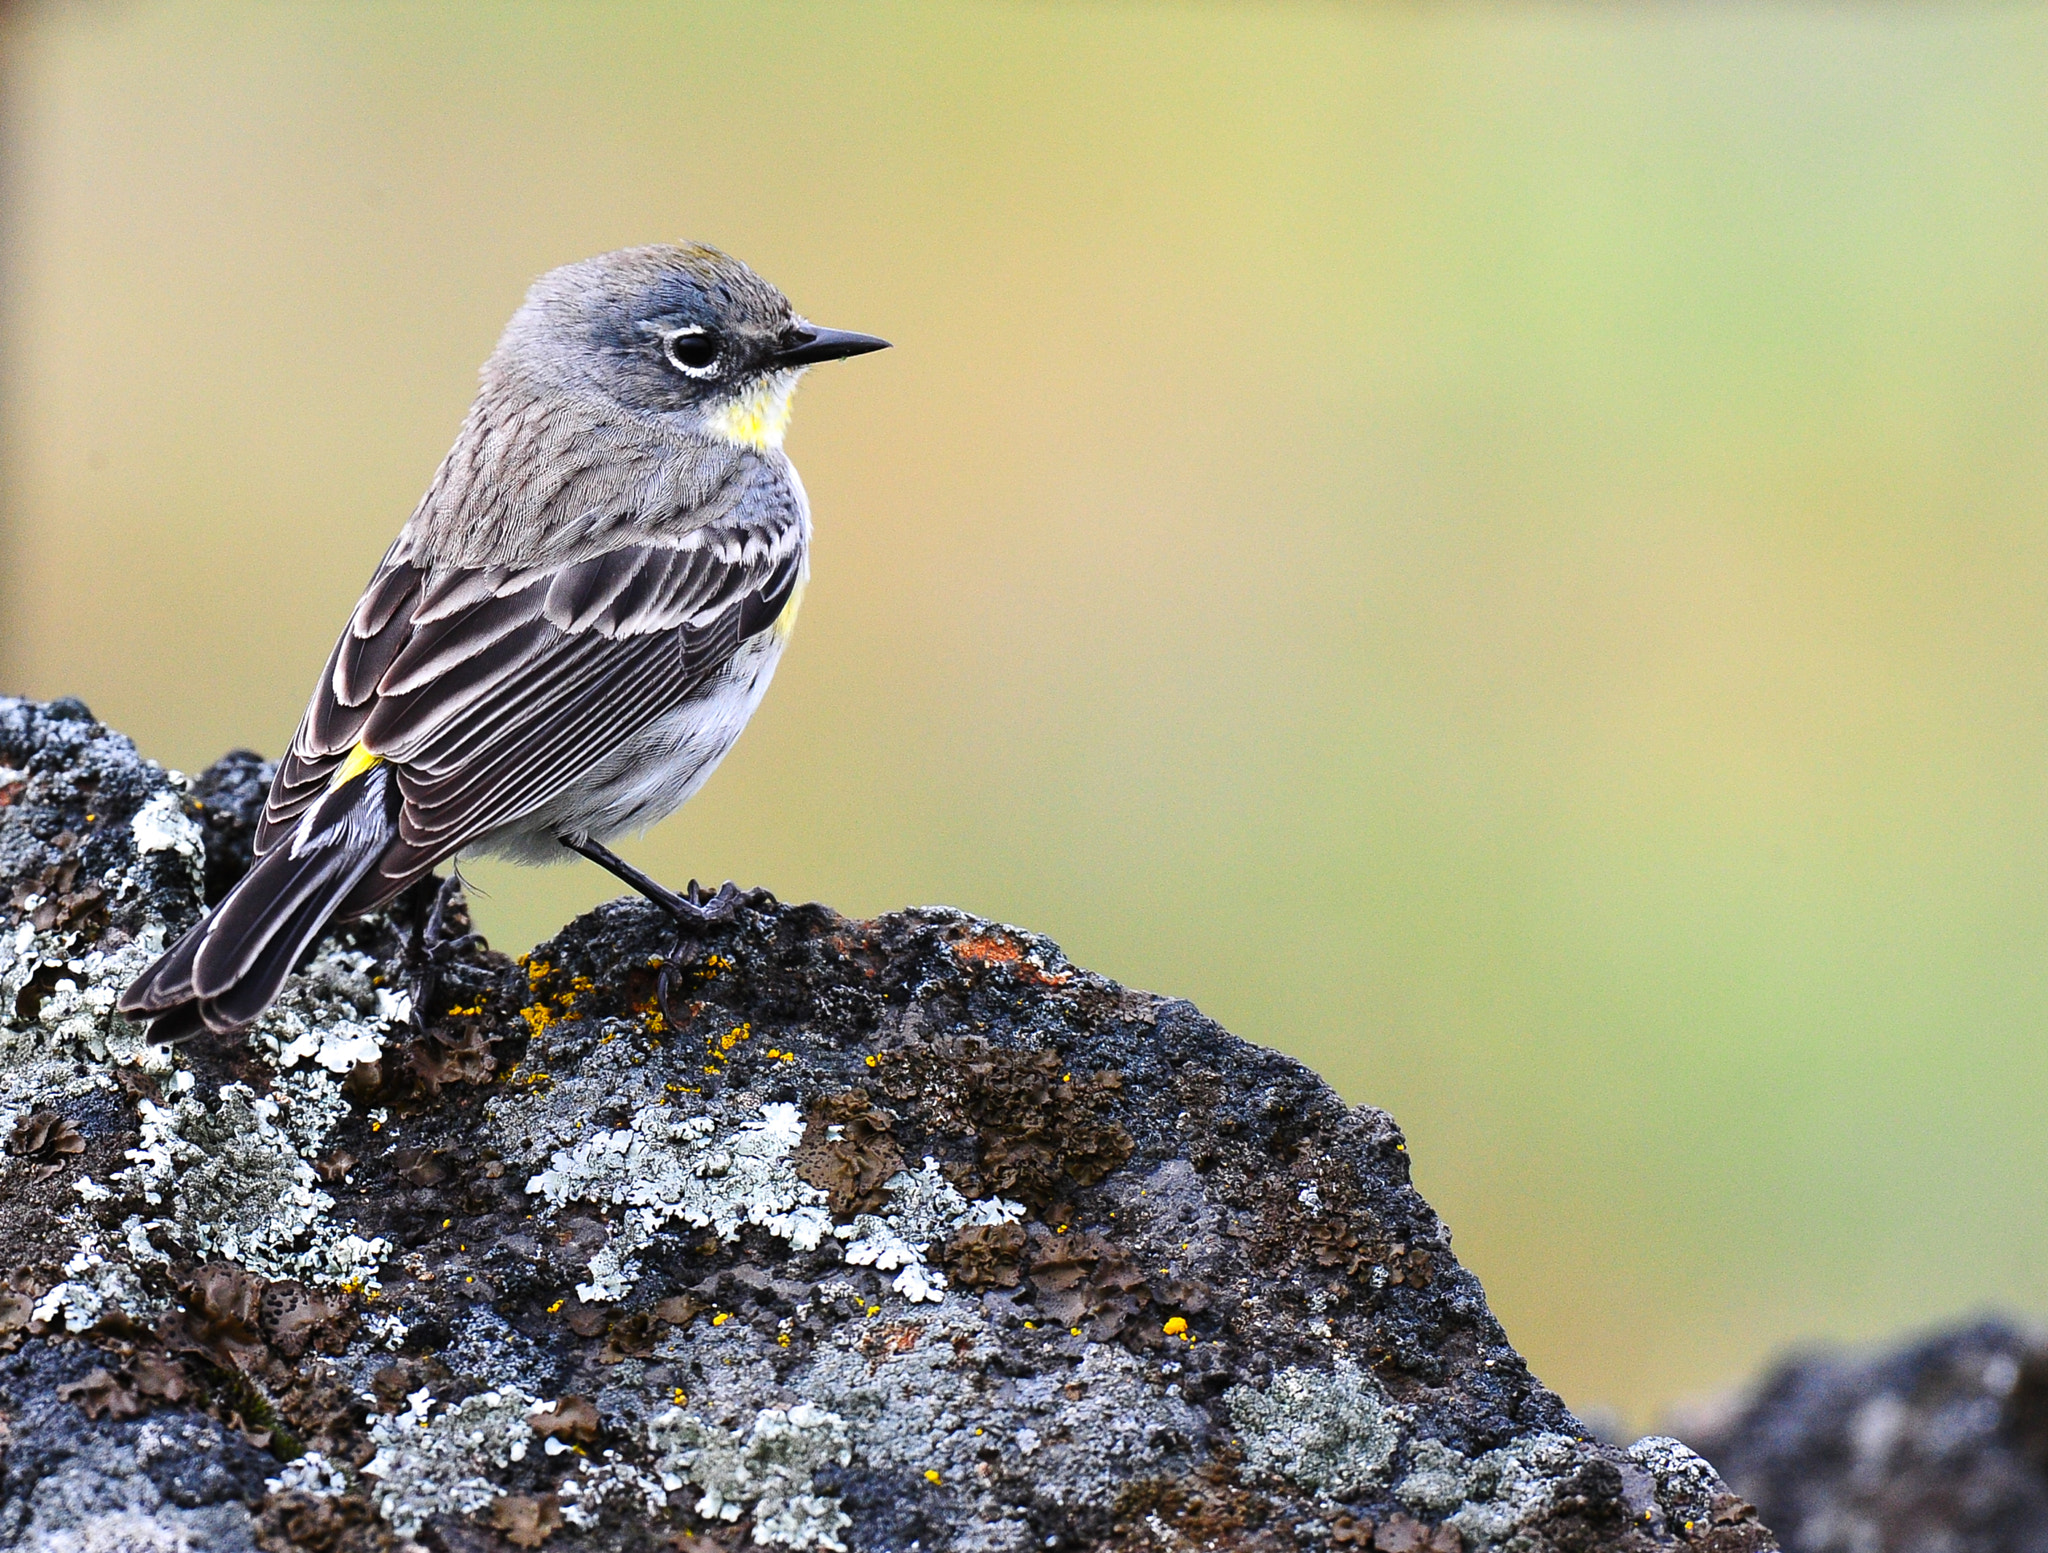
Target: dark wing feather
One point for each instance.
(496, 690)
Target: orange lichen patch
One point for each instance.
(988, 946)
(551, 1003)
(891, 1338)
(523, 1077)
(995, 949)
(718, 1047)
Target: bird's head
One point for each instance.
(681, 331)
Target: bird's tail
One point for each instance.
(229, 966)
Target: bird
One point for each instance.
(567, 635)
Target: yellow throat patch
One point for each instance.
(758, 418)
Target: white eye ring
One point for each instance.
(675, 337)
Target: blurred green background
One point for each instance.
(1502, 550)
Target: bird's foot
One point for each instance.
(705, 907)
(434, 946)
(692, 912)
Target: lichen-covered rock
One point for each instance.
(1942, 1443)
(810, 1233)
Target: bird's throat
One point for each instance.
(759, 416)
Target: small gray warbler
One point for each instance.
(566, 637)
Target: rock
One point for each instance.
(811, 1233)
(1941, 1444)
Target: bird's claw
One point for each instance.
(433, 949)
(703, 908)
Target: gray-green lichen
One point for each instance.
(767, 1469)
(1333, 1431)
(1491, 1496)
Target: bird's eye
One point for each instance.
(693, 352)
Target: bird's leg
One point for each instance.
(691, 912)
(433, 946)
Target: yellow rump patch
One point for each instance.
(360, 759)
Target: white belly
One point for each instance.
(654, 774)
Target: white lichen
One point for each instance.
(162, 825)
(332, 1012)
(238, 1186)
(93, 1282)
(434, 1459)
(663, 1168)
(432, 1462)
(592, 1484)
(311, 1473)
(1679, 1469)
(924, 1207)
(75, 1039)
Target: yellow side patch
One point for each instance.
(786, 621)
(759, 417)
(360, 759)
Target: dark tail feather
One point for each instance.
(226, 970)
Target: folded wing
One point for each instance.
(489, 692)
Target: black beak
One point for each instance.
(807, 344)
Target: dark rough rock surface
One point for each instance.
(879, 1235)
(1940, 1445)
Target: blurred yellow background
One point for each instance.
(1502, 550)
